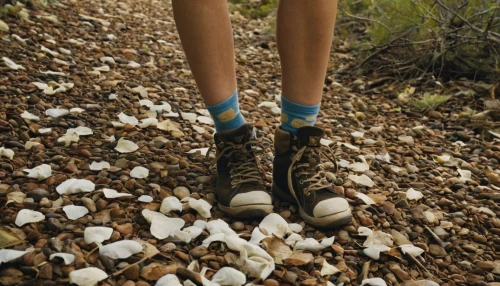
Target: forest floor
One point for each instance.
(94, 90)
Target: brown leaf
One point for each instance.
(156, 270)
(299, 258)
(277, 248)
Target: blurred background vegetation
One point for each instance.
(449, 38)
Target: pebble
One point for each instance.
(237, 225)
(437, 250)
(181, 192)
(132, 272)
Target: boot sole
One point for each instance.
(247, 211)
(331, 221)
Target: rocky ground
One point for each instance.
(104, 178)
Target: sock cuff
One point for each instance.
(297, 107)
(230, 102)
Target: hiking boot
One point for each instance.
(239, 187)
(298, 177)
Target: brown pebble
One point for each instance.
(132, 272)
(271, 282)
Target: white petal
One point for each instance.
(29, 116)
(365, 198)
(108, 60)
(12, 64)
(76, 110)
(273, 223)
(328, 269)
(465, 175)
(200, 223)
(357, 134)
(163, 226)
(139, 172)
(97, 234)
(75, 186)
(56, 112)
(412, 194)
(362, 180)
(359, 167)
(168, 280)
(169, 204)
(147, 122)
(234, 242)
(75, 212)
(112, 194)
(293, 238)
(124, 118)
(169, 125)
(374, 282)
(40, 172)
(25, 216)
(191, 117)
(44, 130)
(30, 144)
(8, 153)
(411, 249)
(165, 106)
(98, 166)
(126, 146)
(120, 249)
(267, 104)
(257, 236)
(229, 276)
(145, 199)
(193, 231)
(214, 237)
(219, 226)
(364, 231)
(205, 120)
(295, 227)
(40, 85)
(373, 251)
(87, 276)
(201, 206)
(146, 102)
(255, 261)
(67, 257)
(68, 138)
(133, 65)
(7, 255)
(104, 68)
(312, 244)
(80, 130)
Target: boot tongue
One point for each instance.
(310, 136)
(240, 135)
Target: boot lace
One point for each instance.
(306, 166)
(242, 161)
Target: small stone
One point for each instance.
(132, 272)
(437, 250)
(203, 180)
(485, 265)
(125, 229)
(271, 282)
(54, 224)
(89, 204)
(237, 225)
(290, 277)
(181, 192)
(198, 251)
(37, 194)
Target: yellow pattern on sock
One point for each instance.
(284, 117)
(227, 115)
(298, 123)
(311, 117)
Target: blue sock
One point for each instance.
(294, 115)
(227, 115)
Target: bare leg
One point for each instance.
(206, 35)
(304, 34)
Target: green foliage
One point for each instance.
(254, 9)
(429, 102)
(448, 37)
